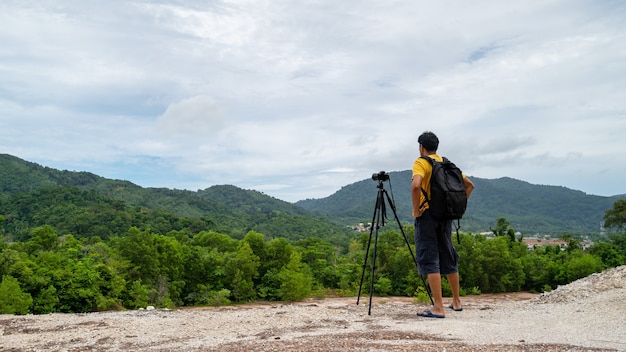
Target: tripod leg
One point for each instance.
(373, 226)
(369, 311)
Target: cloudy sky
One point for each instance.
(299, 98)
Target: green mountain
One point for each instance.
(32, 195)
(531, 209)
(85, 204)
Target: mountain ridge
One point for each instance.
(532, 209)
(220, 207)
(529, 208)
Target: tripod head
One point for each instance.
(381, 176)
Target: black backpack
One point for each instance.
(448, 198)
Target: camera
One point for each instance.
(381, 176)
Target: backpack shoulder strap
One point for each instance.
(432, 163)
(429, 159)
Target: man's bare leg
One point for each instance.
(453, 279)
(434, 281)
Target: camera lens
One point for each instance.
(381, 176)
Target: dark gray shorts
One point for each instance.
(434, 250)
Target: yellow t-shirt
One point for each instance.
(424, 168)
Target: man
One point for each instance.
(435, 252)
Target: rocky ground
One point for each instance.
(586, 315)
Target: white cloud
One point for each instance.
(199, 117)
(300, 99)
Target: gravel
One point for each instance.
(586, 315)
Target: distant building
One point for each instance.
(362, 227)
(531, 242)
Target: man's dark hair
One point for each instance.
(429, 141)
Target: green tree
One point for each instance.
(278, 253)
(140, 250)
(242, 287)
(619, 241)
(240, 269)
(616, 217)
(581, 265)
(43, 238)
(350, 267)
(256, 241)
(503, 228)
(609, 254)
(257, 244)
(221, 242)
(12, 299)
(110, 285)
(398, 268)
(383, 286)
(46, 301)
(60, 282)
(269, 287)
(156, 260)
(33, 278)
(206, 296)
(573, 243)
(470, 266)
(136, 295)
(295, 279)
(534, 265)
(493, 267)
(321, 257)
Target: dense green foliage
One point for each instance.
(51, 273)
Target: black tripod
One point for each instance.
(380, 214)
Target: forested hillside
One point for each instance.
(87, 205)
(530, 208)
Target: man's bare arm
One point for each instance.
(469, 186)
(416, 194)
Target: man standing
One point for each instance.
(434, 250)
